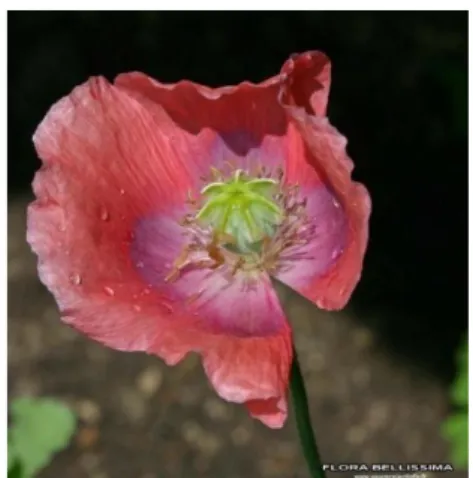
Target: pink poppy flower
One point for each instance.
(162, 210)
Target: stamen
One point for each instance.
(246, 224)
(178, 264)
(279, 174)
(216, 255)
(193, 297)
(231, 164)
(190, 198)
(172, 276)
(215, 174)
(240, 262)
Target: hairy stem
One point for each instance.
(301, 411)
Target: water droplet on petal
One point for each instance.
(122, 192)
(109, 291)
(336, 203)
(140, 265)
(146, 291)
(62, 227)
(75, 279)
(104, 214)
(335, 253)
(137, 308)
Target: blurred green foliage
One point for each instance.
(455, 428)
(40, 428)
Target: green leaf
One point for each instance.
(12, 456)
(459, 391)
(460, 385)
(41, 428)
(15, 471)
(455, 429)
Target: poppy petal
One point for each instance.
(220, 301)
(118, 164)
(302, 264)
(113, 141)
(102, 166)
(83, 226)
(239, 328)
(247, 108)
(307, 82)
(255, 371)
(271, 412)
(346, 207)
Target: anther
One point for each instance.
(238, 264)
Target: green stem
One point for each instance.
(301, 411)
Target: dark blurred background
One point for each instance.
(399, 93)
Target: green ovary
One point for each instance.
(242, 208)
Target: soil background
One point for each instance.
(377, 373)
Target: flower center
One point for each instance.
(243, 221)
(243, 208)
